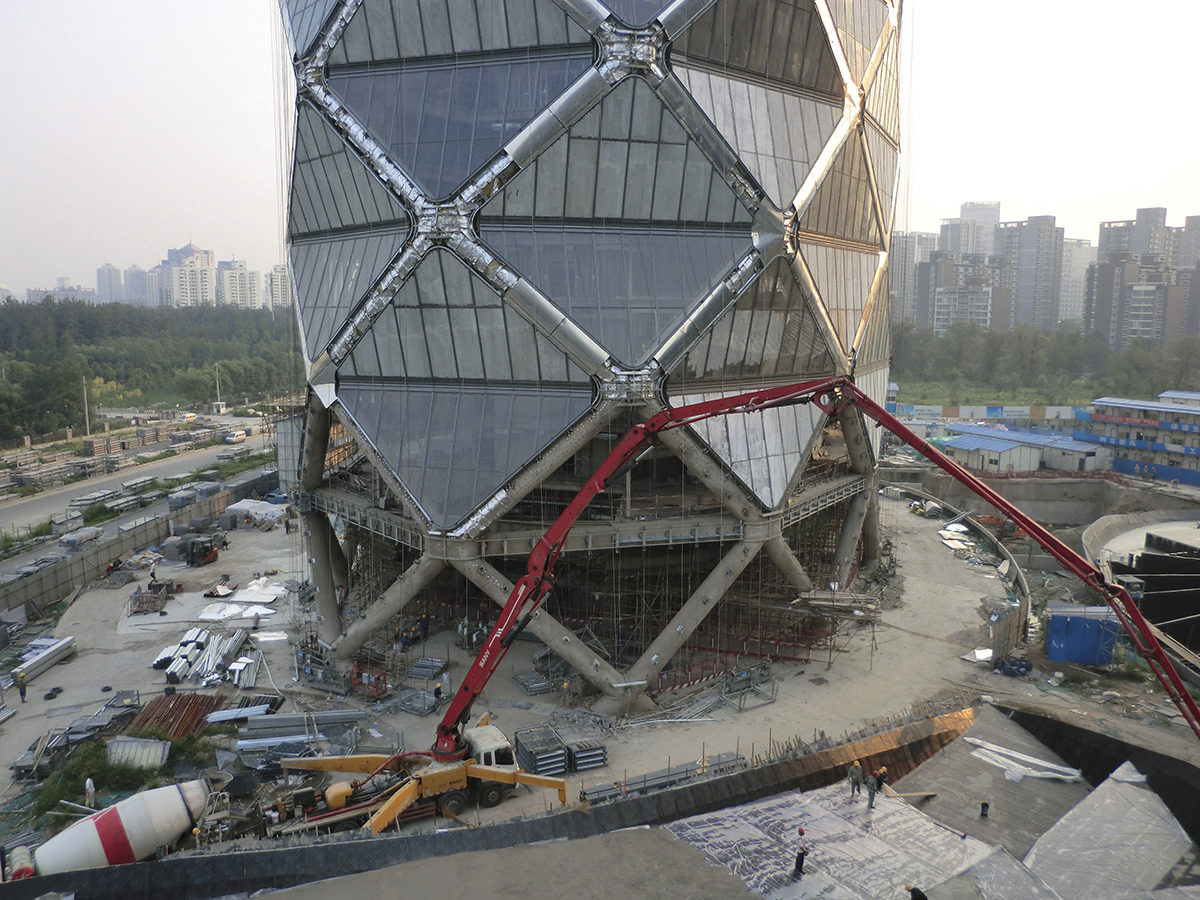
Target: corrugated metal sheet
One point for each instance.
(140, 753)
(975, 442)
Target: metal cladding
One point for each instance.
(131, 830)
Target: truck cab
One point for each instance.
(489, 747)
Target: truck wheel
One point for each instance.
(454, 802)
(490, 795)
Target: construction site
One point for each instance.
(586, 571)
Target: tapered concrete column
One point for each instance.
(594, 670)
(328, 565)
(394, 599)
(683, 624)
(785, 561)
(316, 444)
(870, 537)
(843, 556)
(350, 545)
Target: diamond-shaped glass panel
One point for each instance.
(454, 445)
(333, 274)
(780, 41)
(842, 206)
(765, 450)
(883, 162)
(843, 278)
(859, 23)
(305, 18)
(883, 96)
(332, 188)
(443, 120)
(592, 222)
(445, 322)
(769, 336)
(384, 30)
(876, 345)
(776, 134)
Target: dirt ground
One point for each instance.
(933, 614)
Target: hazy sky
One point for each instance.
(131, 126)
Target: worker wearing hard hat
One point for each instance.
(21, 685)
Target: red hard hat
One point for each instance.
(800, 831)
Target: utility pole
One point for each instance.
(87, 417)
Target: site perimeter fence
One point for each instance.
(42, 589)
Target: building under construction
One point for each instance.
(519, 227)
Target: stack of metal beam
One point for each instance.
(427, 667)
(243, 671)
(585, 753)
(262, 732)
(532, 683)
(417, 702)
(541, 751)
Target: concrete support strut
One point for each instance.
(785, 561)
(546, 628)
(401, 592)
(866, 519)
(703, 601)
(328, 565)
(843, 556)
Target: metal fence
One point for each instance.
(47, 586)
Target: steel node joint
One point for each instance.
(628, 51)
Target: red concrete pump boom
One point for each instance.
(831, 395)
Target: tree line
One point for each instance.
(134, 356)
(1064, 366)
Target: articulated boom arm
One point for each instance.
(831, 395)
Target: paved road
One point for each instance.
(24, 512)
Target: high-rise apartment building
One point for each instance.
(986, 214)
(970, 289)
(109, 287)
(1146, 233)
(191, 283)
(278, 292)
(1077, 256)
(907, 249)
(238, 285)
(137, 291)
(1135, 296)
(1033, 249)
(516, 231)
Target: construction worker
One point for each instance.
(89, 792)
(21, 685)
(854, 775)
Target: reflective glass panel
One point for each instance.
(332, 276)
(385, 30)
(782, 41)
(769, 336)
(442, 122)
(842, 206)
(306, 18)
(453, 446)
(776, 134)
(844, 279)
(635, 12)
(331, 187)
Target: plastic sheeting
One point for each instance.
(1119, 840)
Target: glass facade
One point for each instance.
(508, 218)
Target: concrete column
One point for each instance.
(871, 537)
(683, 624)
(316, 443)
(785, 561)
(323, 549)
(843, 556)
(401, 592)
(594, 670)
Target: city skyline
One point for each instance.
(123, 98)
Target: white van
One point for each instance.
(188, 417)
(236, 437)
